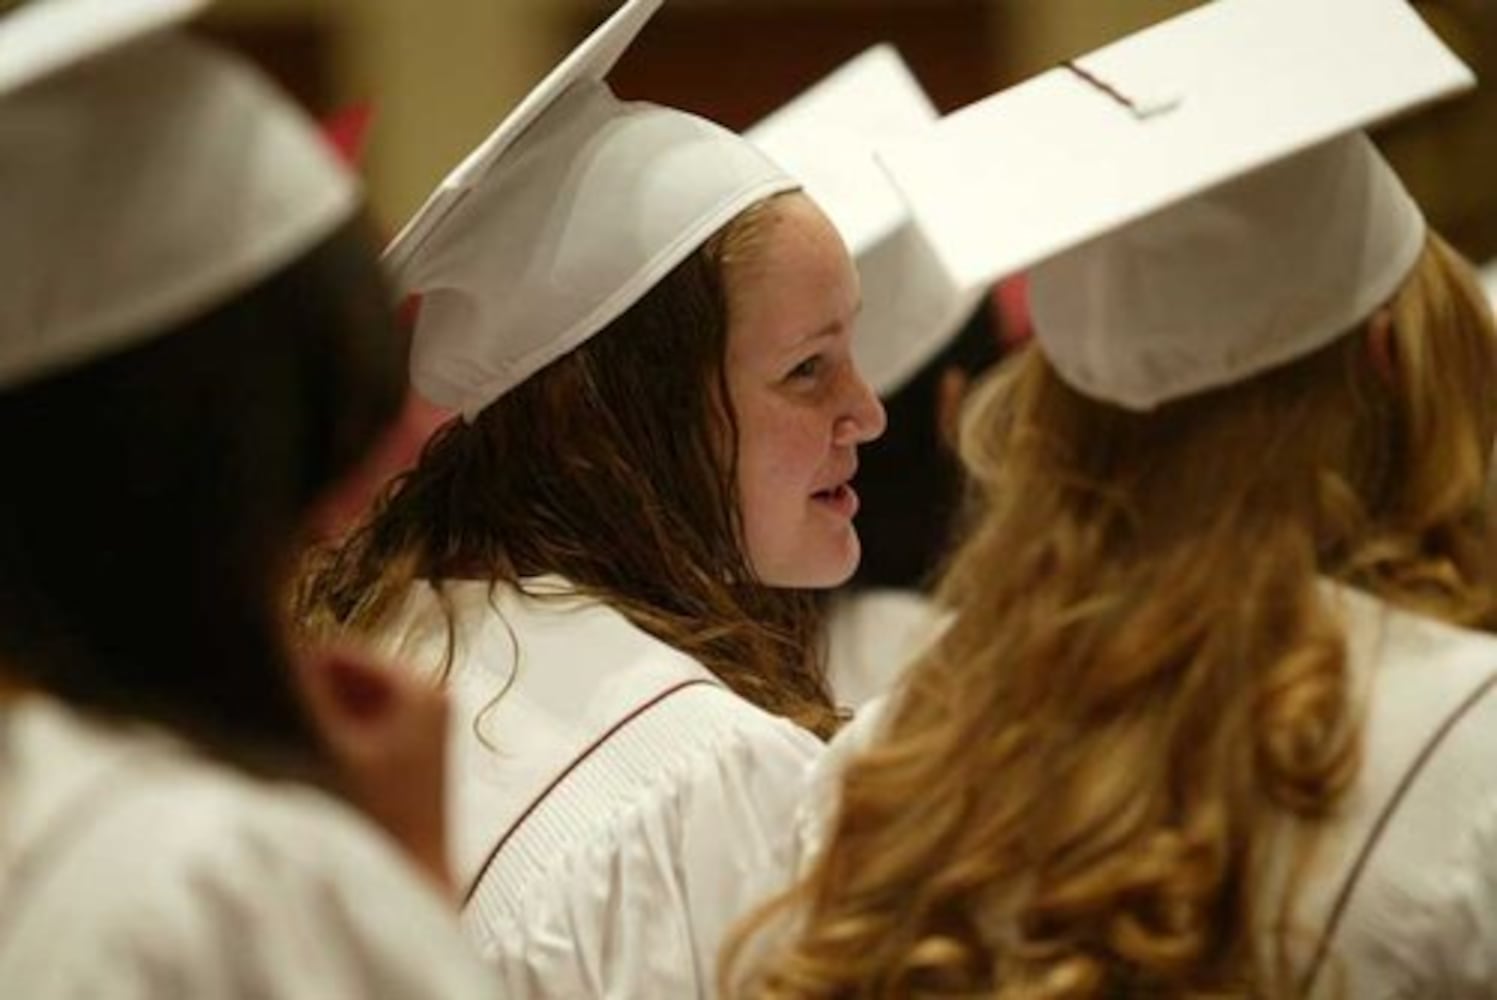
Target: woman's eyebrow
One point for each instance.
(833, 328)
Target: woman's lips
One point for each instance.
(841, 500)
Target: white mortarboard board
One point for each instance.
(826, 138)
(575, 207)
(1199, 196)
(144, 179)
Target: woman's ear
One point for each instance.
(1382, 348)
(386, 733)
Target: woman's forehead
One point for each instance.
(793, 245)
(803, 286)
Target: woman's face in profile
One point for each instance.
(801, 405)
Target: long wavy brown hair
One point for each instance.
(1145, 675)
(614, 467)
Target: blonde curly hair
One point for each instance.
(1144, 677)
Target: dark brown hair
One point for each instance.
(153, 498)
(614, 467)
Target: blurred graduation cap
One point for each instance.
(144, 178)
(45, 37)
(575, 207)
(1198, 197)
(826, 138)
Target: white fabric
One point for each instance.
(1253, 274)
(872, 636)
(670, 823)
(42, 37)
(575, 207)
(826, 139)
(1422, 920)
(130, 867)
(1143, 126)
(142, 185)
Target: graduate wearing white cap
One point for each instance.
(194, 344)
(1217, 712)
(647, 333)
(914, 308)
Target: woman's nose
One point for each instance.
(863, 418)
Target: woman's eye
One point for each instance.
(808, 368)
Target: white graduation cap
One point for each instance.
(826, 138)
(1198, 196)
(144, 178)
(574, 208)
(46, 36)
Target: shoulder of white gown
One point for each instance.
(165, 863)
(626, 879)
(1416, 835)
(823, 782)
(702, 744)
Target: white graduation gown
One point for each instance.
(1404, 888)
(616, 808)
(133, 867)
(871, 637)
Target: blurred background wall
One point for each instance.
(440, 73)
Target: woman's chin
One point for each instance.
(821, 564)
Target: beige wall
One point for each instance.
(443, 71)
(440, 72)
(1037, 34)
